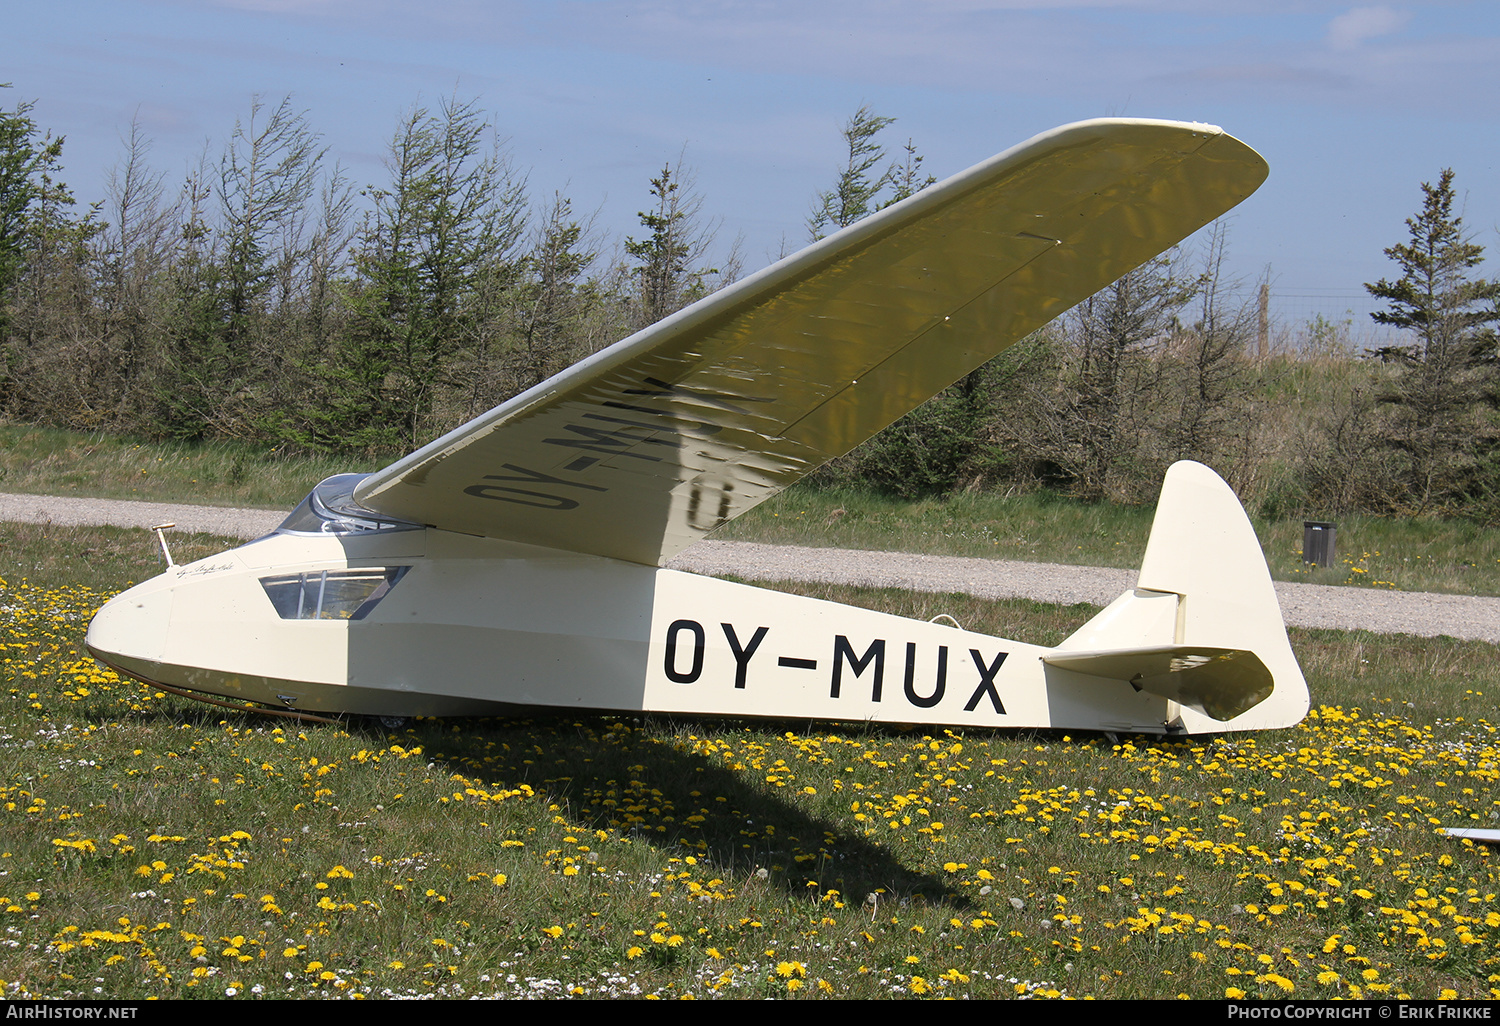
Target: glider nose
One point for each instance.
(130, 630)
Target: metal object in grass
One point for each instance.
(1319, 542)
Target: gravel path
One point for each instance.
(70, 512)
(1304, 605)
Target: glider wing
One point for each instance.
(640, 450)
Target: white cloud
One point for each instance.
(1358, 24)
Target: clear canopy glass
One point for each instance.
(330, 509)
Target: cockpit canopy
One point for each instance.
(330, 509)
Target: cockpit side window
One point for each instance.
(331, 594)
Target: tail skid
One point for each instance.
(1202, 627)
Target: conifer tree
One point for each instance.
(442, 231)
(24, 157)
(224, 337)
(862, 184)
(859, 182)
(907, 177)
(552, 299)
(1446, 371)
(667, 272)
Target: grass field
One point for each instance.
(1454, 556)
(153, 847)
(1410, 555)
(49, 461)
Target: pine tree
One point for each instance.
(907, 177)
(667, 268)
(552, 300)
(1443, 374)
(861, 188)
(858, 185)
(24, 158)
(226, 335)
(439, 239)
(48, 355)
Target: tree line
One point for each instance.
(266, 298)
(269, 299)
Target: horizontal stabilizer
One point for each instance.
(1202, 627)
(1475, 835)
(1218, 682)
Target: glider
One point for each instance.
(516, 562)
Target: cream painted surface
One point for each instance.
(790, 669)
(536, 581)
(478, 625)
(640, 450)
(1203, 547)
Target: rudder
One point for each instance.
(1204, 604)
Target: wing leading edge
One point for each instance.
(640, 450)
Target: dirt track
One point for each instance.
(1305, 605)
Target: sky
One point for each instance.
(1353, 106)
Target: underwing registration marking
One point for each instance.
(609, 436)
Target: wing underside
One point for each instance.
(639, 451)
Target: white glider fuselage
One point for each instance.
(411, 621)
(516, 561)
(479, 626)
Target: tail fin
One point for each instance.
(1202, 626)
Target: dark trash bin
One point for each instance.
(1318, 542)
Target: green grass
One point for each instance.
(48, 461)
(1455, 556)
(155, 847)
